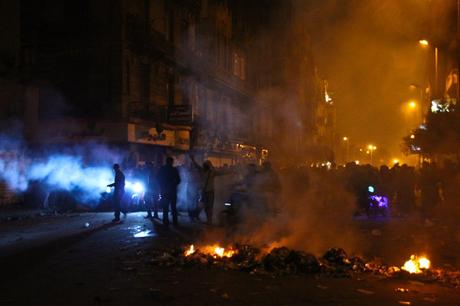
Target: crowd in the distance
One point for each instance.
(409, 190)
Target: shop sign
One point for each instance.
(149, 135)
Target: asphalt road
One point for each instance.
(58, 260)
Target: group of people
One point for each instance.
(198, 191)
(162, 190)
(408, 189)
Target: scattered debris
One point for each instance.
(284, 261)
(404, 302)
(429, 299)
(364, 291)
(321, 287)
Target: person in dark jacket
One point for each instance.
(206, 193)
(168, 180)
(152, 192)
(119, 190)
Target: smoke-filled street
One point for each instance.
(113, 265)
(229, 152)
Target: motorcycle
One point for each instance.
(243, 203)
(378, 204)
(231, 212)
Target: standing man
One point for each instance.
(119, 186)
(169, 179)
(153, 191)
(208, 174)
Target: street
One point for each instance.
(110, 264)
(305, 152)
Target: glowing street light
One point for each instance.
(347, 149)
(412, 104)
(424, 42)
(371, 148)
(414, 108)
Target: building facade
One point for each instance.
(225, 79)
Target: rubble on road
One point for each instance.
(284, 261)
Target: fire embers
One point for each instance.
(215, 251)
(278, 261)
(283, 261)
(416, 265)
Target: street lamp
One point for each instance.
(412, 107)
(347, 147)
(423, 42)
(426, 43)
(371, 149)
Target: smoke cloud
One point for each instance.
(69, 170)
(369, 52)
(315, 213)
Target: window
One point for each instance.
(239, 65)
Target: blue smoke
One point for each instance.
(68, 173)
(58, 171)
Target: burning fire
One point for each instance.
(190, 250)
(416, 264)
(214, 250)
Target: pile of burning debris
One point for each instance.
(283, 261)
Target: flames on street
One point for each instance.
(214, 250)
(190, 250)
(278, 261)
(416, 264)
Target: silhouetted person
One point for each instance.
(119, 190)
(405, 190)
(429, 184)
(153, 191)
(250, 178)
(168, 180)
(270, 187)
(193, 192)
(208, 174)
